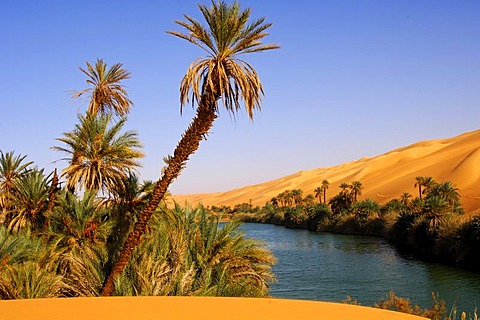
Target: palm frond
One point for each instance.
(107, 94)
(222, 75)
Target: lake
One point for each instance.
(328, 267)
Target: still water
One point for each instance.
(328, 267)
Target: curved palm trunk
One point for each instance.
(324, 195)
(187, 145)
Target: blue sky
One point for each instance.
(352, 79)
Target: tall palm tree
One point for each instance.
(219, 76)
(107, 94)
(419, 182)
(318, 193)
(100, 155)
(325, 185)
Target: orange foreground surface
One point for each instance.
(196, 308)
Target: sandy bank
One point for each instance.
(195, 308)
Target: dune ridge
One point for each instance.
(384, 177)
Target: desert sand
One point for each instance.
(195, 308)
(384, 177)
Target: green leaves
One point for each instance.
(187, 252)
(222, 75)
(100, 155)
(107, 94)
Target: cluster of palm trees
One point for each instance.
(431, 225)
(288, 198)
(95, 216)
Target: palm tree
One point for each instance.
(100, 155)
(16, 248)
(419, 181)
(428, 184)
(274, 202)
(356, 188)
(30, 200)
(107, 94)
(186, 253)
(309, 199)
(325, 185)
(297, 196)
(30, 280)
(405, 198)
(318, 193)
(11, 169)
(435, 208)
(365, 209)
(219, 76)
(288, 198)
(447, 191)
(78, 223)
(344, 186)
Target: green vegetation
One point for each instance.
(75, 234)
(104, 233)
(219, 76)
(432, 226)
(437, 310)
(185, 252)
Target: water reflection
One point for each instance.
(323, 266)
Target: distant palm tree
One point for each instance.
(219, 76)
(107, 94)
(325, 186)
(288, 198)
(428, 184)
(344, 186)
(318, 193)
(447, 191)
(365, 209)
(405, 198)
(435, 208)
(100, 155)
(419, 182)
(297, 196)
(309, 199)
(356, 188)
(281, 199)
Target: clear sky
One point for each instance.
(352, 79)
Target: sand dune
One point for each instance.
(180, 308)
(384, 177)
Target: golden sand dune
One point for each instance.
(180, 308)
(384, 177)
